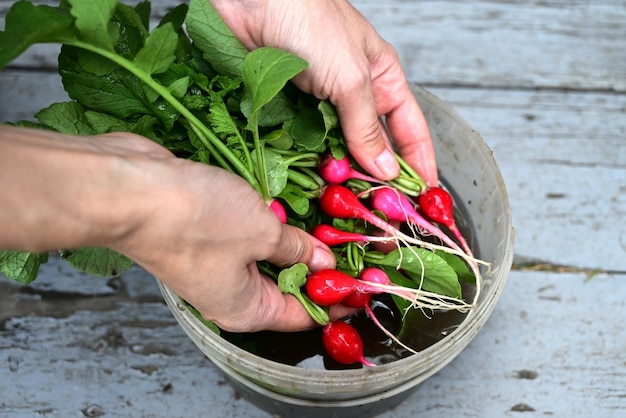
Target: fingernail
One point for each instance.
(387, 164)
(322, 259)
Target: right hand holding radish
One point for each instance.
(353, 67)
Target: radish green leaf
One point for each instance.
(428, 270)
(21, 266)
(266, 71)
(27, 25)
(158, 53)
(93, 21)
(213, 37)
(290, 280)
(98, 261)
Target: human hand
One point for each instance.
(353, 67)
(203, 231)
(197, 228)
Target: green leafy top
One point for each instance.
(213, 37)
(266, 71)
(27, 24)
(290, 280)
(203, 96)
(158, 53)
(183, 91)
(93, 22)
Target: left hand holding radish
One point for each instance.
(197, 228)
(205, 246)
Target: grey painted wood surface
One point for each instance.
(549, 349)
(576, 44)
(545, 85)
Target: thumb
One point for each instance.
(296, 246)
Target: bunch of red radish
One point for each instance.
(429, 207)
(329, 287)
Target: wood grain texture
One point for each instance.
(563, 158)
(544, 82)
(573, 45)
(549, 44)
(539, 352)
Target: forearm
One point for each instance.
(59, 191)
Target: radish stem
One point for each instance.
(372, 316)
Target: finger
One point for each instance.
(296, 246)
(292, 317)
(285, 313)
(279, 312)
(366, 140)
(409, 130)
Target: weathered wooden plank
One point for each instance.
(576, 45)
(553, 345)
(572, 45)
(554, 149)
(545, 350)
(563, 158)
(23, 93)
(540, 351)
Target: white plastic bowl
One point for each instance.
(469, 170)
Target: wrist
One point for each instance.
(61, 191)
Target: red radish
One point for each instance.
(437, 205)
(378, 276)
(340, 202)
(343, 343)
(357, 299)
(397, 207)
(379, 282)
(279, 210)
(375, 275)
(375, 281)
(362, 299)
(333, 170)
(332, 236)
(329, 287)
